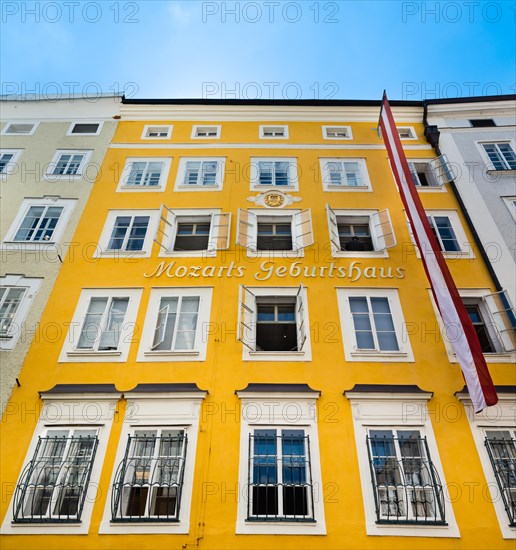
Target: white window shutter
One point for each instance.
(161, 324)
(247, 318)
(334, 229)
(383, 230)
(167, 220)
(247, 229)
(300, 318)
(442, 170)
(413, 172)
(219, 231)
(501, 311)
(302, 222)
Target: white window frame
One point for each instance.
(68, 206)
(488, 162)
(301, 231)
(105, 236)
(181, 173)
(145, 351)
(146, 129)
(5, 129)
(73, 124)
(407, 129)
(16, 328)
(497, 417)
(476, 295)
(49, 176)
(125, 188)
(347, 129)
(265, 127)
(166, 231)
(71, 354)
(364, 175)
(436, 187)
(11, 167)
(262, 410)
(404, 411)
(197, 127)
(173, 410)
(246, 325)
(73, 413)
(378, 221)
(293, 182)
(404, 354)
(510, 202)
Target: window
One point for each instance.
(372, 325)
(85, 129)
(279, 462)
(157, 132)
(273, 322)
(337, 132)
(69, 164)
(273, 172)
(153, 478)
(344, 174)
(276, 232)
(274, 132)
(406, 132)
(510, 202)
(360, 233)
(20, 128)
(193, 232)
(16, 296)
(442, 229)
(128, 232)
(482, 123)
(144, 174)
(149, 479)
(53, 487)
(205, 132)
(400, 471)
(102, 326)
(56, 489)
(176, 325)
(501, 156)
(423, 174)
(8, 162)
(196, 174)
(40, 221)
(495, 438)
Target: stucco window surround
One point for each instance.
(407, 133)
(19, 128)
(289, 410)
(273, 172)
(510, 202)
(200, 174)
(128, 233)
(144, 174)
(84, 412)
(85, 128)
(9, 162)
(426, 176)
(157, 131)
(489, 423)
(345, 174)
(102, 326)
(68, 165)
(499, 155)
(273, 131)
(205, 131)
(337, 132)
(176, 325)
(404, 408)
(40, 222)
(154, 410)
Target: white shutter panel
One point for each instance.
(499, 307)
(247, 318)
(303, 231)
(300, 318)
(164, 237)
(161, 324)
(383, 230)
(219, 231)
(247, 229)
(442, 170)
(413, 172)
(334, 229)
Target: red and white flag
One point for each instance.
(454, 314)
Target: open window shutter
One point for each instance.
(159, 332)
(300, 318)
(383, 230)
(247, 229)
(334, 229)
(413, 172)
(442, 170)
(219, 231)
(247, 318)
(501, 312)
(167, 220)
(303, 228)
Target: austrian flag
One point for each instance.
(453, 313)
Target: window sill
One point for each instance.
(330, 187)
(182, 187)
(271, 187)
(268, 254)
(122, 253)
(167, 353)
(504, 171)
(141, 188)
(61, 177)
(276, 353)
(189, 254)
(498, 357)
(363, 254)
(77, 353)
(380, 356)
(292, 521)
(431, 188)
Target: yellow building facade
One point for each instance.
(241, 349)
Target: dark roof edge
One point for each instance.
(273, 102)
(385, 388)
(81, 388)
(474, 99)
(166, 388)
(277, 388)
(499, 389)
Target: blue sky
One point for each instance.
(270, 50)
